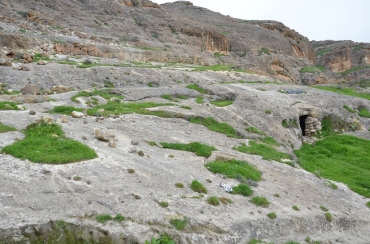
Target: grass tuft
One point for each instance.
(197, 88)
(351, 110)
(364, 112)
(8, 106)
(198, 187)
(213, 201)
(225, 200)
(214, 125)
(255, 131)
(271, 215)
(199, 100)
(234, 169)
(243, 189)
(269, 140)
(179, 185)
(178, 223)
(67, 110)
(260, 201)
(222, 103)
(199, 149)
(163, 204)
(295, 208)
(5, 128)
(328, 217)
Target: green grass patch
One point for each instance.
(255, 131)
(368, 204)
(344, 91)
(256, 241)
(8, 106)
(263, 50)
(291, 123)
(179, 185)
(105, 93)
(103, 218)
(128, 108)
(267, 152)
(46, 143)
(322, 52)
(199, 149)
(167, 96)
(199, 100)
(313, 69)
(185, 107)
(341, 158)
(295, 208)
(225, 200)
(163, 239)
(218, 67)
(5, 128)
(328, 217)
(218, 54)
(234, 169)
(214, 125)
(351, 110)
(181, 97)
(163, 204)
(269, 140)
(260, 201)
(271, 215)
(222, 103)
(197, 88)
(152, 143)
(364, 112)
(243, 189)
(213, 200)
(67, 110)
(354, 69)
(363, 83)
(178, 223)
(198, 187)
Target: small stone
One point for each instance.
(112, 144)
(85, 121)
(76, 114)
(64, 119)
(32, 112)
(132, 149)
(135, 142)
(84, 138)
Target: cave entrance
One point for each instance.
(302, 123)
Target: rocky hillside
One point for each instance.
(131, 78)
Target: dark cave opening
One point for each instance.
(302, 123)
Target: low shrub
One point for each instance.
(198, 148)
(198, 187)
(260, 201)
(243, 189)
(213, 200)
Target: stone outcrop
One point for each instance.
(79, 49)
(14, 41)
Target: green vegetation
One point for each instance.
(271, 215)
(198, 187)
(263, 50)
(269, 140)
(5, 128)
(185, 107)
(363, 83)
(46, 143)
(322, 52)
(106, 217)
(214, 125)
(353, 70)
(291, 242)
(8, 106)
(179, 185)
(351, 110)
(37, 57)
(313, 69)
(197, 88)
(358, 47)
(128, 108)
(260, 201)
(328, 217)
(199, 149)
(130, 171)
(163, 239)
(267, 152)
(341, 158)
(255, 131)
(218, 67)
(225, 200)
(234, 169)
(167, 96)
(22, 31)
(268, 111)
(256, 241)
(152, 143)
(291, 123)
(364, 112)
(344, 91)
(213, 200)
(222, 103)
(218, 54)
(67, 110)
(243, 189)
(324, 209)
(199, 100)
(105, 93)
(181, 97)
(295, 208)
(368, 204)
(163, 204)
(178, 223)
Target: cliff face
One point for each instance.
(172, 32)
(343, 61)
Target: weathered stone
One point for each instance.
(135, 142)
(132, 149)
(60, 89)
(104, 135)
(32, 112)
(29, 90)
(76, 114)
(64, 119)
(5, 62)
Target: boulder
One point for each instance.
(29, 90)
(60, 89)
(5, 62)
(104, 135)
(76, 114)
